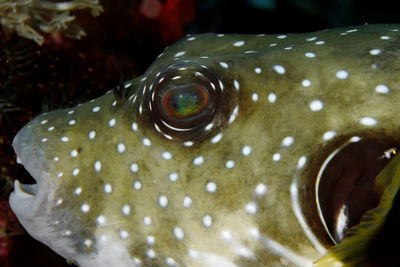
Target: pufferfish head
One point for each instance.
(247, 151)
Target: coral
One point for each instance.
(31, 18)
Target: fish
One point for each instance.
(230, 150)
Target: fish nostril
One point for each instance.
(346, 187)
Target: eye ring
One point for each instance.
(184, 101)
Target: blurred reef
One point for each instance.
(56, 54)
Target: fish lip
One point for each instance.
(27, 200)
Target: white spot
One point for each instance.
(166, 155)
(375, 52)
(137, 185)
(271, 97)
(279, 69)
(211, 187)
(342, 74)
(309, 39)
(207, 220)
(288, 48)
(234, 114)
(111, 123)
(114, 103)
(70, 112)
(316, 105)
(224, 65)
(72, 122)
(302, 161)
(276, 157)
(287, 141)
(328, 135)
(220, 35)
(352, 30)
(134, 126)
(150, 240)
(85, 208)
(281, 37)
(55, 159)
(238, 43)
(261, 190)
(96, 109)
(236, 84)
(78, 191)
(257, 70)
(75, 172)
(170, 262)
(246, 150)
(74, 153)
(181, 53)
(59, 202)
(188, 143)
(121, 148)
(173, 176)
(382, 89)
(216, 138)
(310, 54)
(273, 44)
(368, 121)
(101, 220)
(126, 209)
(92, 134)
(198, 160)
(64, 139)
(163, 201)
(134, 168)
(146, 220)
(191, 38)
(385, 37)
(178, 232)
(68, 232)
(209, 126)
(88, 242)
(306, 83)
(51, 128)
(97, 166)
(150, 253)
(43, 122)
(230, 164)
(107, 188)
(44, 140)
(320, 42)
(254, 97)
(355, 139)
(187, 202)
(146, 141)
(60, 174)
(123, 234)
(251, 208)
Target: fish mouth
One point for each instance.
(346, 187)
(29, 196)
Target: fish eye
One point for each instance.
(183, 100)
(184, 106)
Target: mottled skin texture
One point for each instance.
(262, 123)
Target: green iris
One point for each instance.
(185, 102)
(186, 105)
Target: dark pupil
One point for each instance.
(185, 102)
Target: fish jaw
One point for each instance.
(33, 204)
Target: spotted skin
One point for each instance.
(117, 188)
